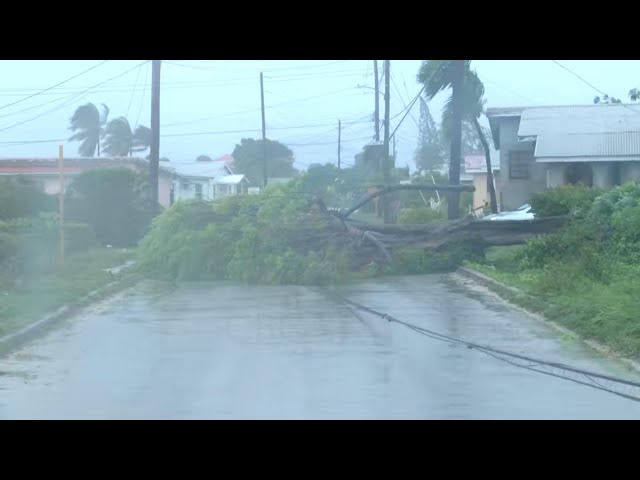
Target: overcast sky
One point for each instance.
(304, 100)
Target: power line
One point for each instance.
(54, 86)
(585, 377)
(144, 89)
(300, 67)
(591, 85)
(66, 102)
(133, 92)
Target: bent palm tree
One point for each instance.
(436, 75)
(141, 139)
(118, 137)
(87, 124)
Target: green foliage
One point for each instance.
(421, 215)
(115, 202)
(411, 260)
(87, 124)
(251, 239)
(118, 138)
(564, 200)
(586, 276)
(21, 198)
(248, 159)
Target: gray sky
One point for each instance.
(304, 100)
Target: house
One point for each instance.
(204, 181)
(544, 147)
(476, 167)
(45, 171)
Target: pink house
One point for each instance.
(45, 171)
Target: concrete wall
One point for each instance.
(516, 192)
(630, 172)
(481, 195)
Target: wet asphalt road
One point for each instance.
(228, 352)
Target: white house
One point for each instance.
(205, 180)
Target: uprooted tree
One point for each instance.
(288, 236)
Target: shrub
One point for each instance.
(22, 198)
(115, 202)
(420, 215)
(565, 200)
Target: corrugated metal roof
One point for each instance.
(230, 179)
(478, 163)
(609, 144)
(603, 132)
(199, 169)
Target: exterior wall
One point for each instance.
(602, 175)
(629, 172)
(481, 194)
(516, 192)
(164, 190)
(555, 175)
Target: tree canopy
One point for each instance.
(248, 159)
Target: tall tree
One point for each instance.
(87, 124)
(248, 155)
(437, 76)
(473, 107)
(429, 154)
(118, 138)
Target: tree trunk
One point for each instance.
(487, 154)
(453, 203)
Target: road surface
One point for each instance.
(222, 351)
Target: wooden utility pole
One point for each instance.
(456, 138)
(155, 131)
(339, 133)
(386, 166)
(376, 115)
(61, 205)
(264, 133)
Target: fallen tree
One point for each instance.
(286, 236)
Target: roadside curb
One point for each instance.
(508, 293)
(15, 339)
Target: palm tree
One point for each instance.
(141, 139)
(118, 138)
(87, 124)
(436, 75)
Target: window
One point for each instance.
(198, 191)
(519, 164)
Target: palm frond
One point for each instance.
(118, 137)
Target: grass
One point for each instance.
(45, 293)
(605, 311)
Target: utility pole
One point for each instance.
(264, 133)
(61, 206)
(339, 133)
(456, 138)
(376, 115)
(386, 165)
(155, 131)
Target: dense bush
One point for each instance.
(22, 198)
(246, 238)
(115, 202)
(31, 245)
(565, 200)
(421, 215)
(447, 258)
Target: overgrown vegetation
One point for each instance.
(115, 202)
(586, 276)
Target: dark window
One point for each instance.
(198, 191)
(519, 163)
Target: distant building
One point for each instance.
(45, 171)
(476, 167)
(544, 147)
(206, 180)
